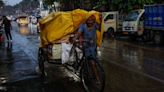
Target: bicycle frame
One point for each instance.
(83, 58)
(80, 66)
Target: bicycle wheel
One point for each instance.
(88, 77)
(74, 59)
(41, 60)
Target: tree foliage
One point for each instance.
(159, 1)
(123, 5)
(104, 5)
(1, 3)
(27, 5)
(49, 2)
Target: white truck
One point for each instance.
(133, 24)
(146, 24)
(111, 20)
(43, 10)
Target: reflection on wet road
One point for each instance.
(129, 67)
(146, 60)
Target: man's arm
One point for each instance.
(80, 31)
(78, 35)
(2, 24)
(99, 24)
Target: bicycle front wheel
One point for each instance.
(93, 79)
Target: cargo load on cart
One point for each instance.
(57, 28)
(60, 25)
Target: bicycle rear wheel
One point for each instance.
(88, 77)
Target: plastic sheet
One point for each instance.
(58, 25)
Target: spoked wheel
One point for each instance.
(41, 60)
(148, 35)
(93, 79)
(74, 58)
(110, 33)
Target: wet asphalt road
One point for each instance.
(129, 67)
(133, 68)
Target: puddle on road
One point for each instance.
(3, 81)
(3, 89)
(15, 65)
(28, 30)
(24, 30)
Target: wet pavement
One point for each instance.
(133, 68)
(129, 67)
(16, 64)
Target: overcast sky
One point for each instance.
(12, 2)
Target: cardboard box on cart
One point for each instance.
(57, 48)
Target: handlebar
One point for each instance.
(75, 39)
(77, 43)
(87, 41)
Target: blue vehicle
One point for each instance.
(146, 24)
(154, 22)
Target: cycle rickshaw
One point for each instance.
(59, 28)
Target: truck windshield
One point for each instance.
(109, 17)
(132, 16)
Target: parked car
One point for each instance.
(23, 21)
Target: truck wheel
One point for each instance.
(151, 35)
(132, 36)
(162, 38)
(148, 35)
(158, 38)
(111, 33)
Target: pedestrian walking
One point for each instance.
(7, 27)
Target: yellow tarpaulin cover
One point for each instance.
(58, 25)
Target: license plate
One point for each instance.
(125, 33)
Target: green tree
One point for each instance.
(1, 3)
(73, 4)
(27, 5)
(122, 5)
(159, 1)
(49, 2)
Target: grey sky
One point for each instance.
(12, 2)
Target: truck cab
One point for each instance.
(44, 11)
(110, 22)
(133, 23)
